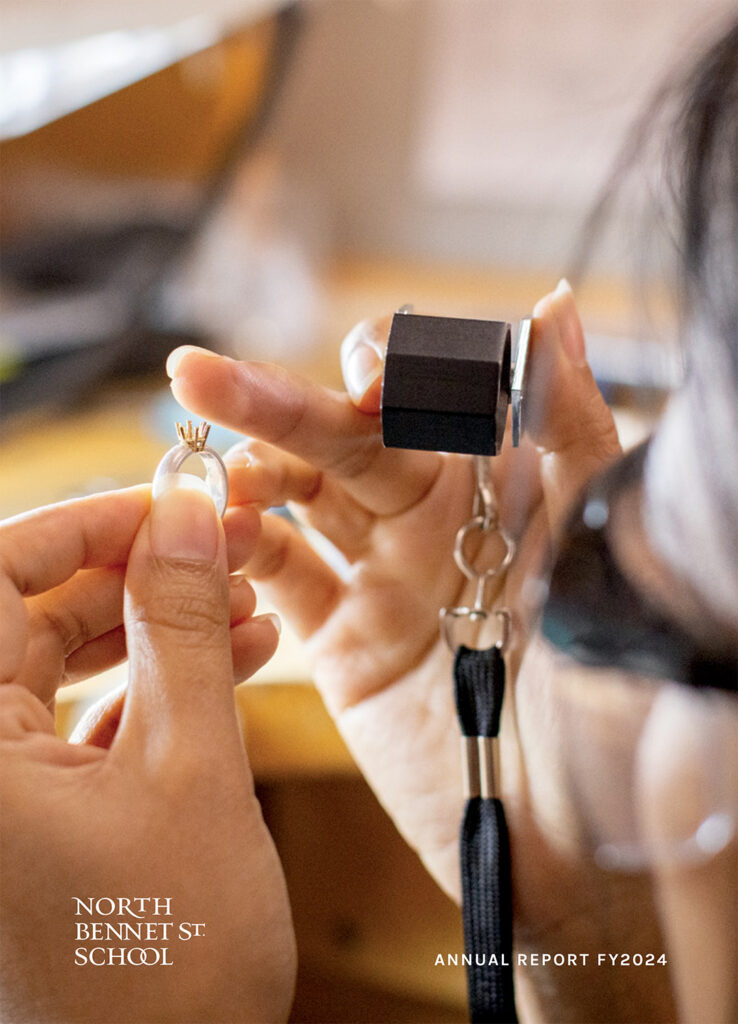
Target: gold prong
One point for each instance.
(197, 439)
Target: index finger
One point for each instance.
(42, 549)
(319, 425)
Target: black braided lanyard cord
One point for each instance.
(479, 681)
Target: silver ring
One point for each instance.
(478, 523)
(216, 475)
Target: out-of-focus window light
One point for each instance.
(39, 85)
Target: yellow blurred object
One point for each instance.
(137, 133)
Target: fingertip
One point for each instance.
(243, 599)
(176, 359)
(253, 643)
(558, 316)
(184, 524)
(219, 389)
(272, 618)
(201, 380)
(99, 724)
(541, 307)
(240, 454)
(571, 335)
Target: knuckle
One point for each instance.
(71, 629)
(600, 439)
(193, 600)
(272, 561)
(13, 695)
(21, 711)
(308, 486)
(293, 403)
(186, 777)
(294, 416)
(357, 459)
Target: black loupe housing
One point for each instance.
(446, 384)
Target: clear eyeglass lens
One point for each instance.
(685, 781)
(654, 771)
(168, 474)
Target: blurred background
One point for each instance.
(256, 176)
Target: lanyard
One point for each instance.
(479, 687)
(479, 681)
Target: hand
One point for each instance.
(393, 514)
(169, 809)
(373, 631)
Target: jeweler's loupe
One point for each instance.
(448, 382)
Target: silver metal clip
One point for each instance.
(484, 521)
(485, 503)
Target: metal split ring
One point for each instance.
(479, 524)
(484, 521)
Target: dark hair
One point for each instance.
(706, 147)
(689, 131)
(690, 505)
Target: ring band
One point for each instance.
(216, 474)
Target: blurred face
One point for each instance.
(648, 721)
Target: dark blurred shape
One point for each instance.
(97, 206)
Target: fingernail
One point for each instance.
(238, 579)
(361, 360)
(570, 331)
(361, 369)
(176, 357)
(270, 617)
(184, 523)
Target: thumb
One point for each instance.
(570, 421)
(180, 696)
